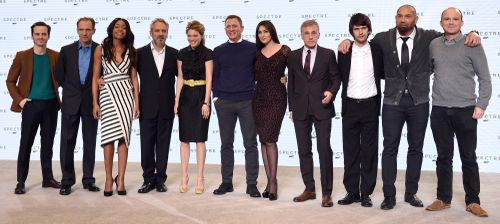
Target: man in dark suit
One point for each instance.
(157, 68)
(406, 99)
(313, 82)
(361, 69)
(74, 70)
(32, 85)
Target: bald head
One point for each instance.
(451, 10)
(408, 7)
(406, 19)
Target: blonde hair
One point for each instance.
(310, 22)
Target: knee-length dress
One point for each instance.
(269, 100)
(192, 126)
(116, 100)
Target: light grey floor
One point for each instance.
(41, 205)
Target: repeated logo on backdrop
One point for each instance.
(287, 15)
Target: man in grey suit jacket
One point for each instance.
(74, 70)
(313, 83)
(406, 99)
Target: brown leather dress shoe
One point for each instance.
(306, 195)
(437, 205)
(476, 209)
(327, 201)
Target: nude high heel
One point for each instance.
(183, 188)
(200, 189)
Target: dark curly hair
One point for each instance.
(107, 43)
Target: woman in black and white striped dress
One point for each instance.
(117, 103)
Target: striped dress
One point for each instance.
(116, 100)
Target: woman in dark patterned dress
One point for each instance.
(192, 103)
(269, 101)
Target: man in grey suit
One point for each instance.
(73, 73)
(313, 83)
(406, 99)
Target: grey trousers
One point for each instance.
(228, 112)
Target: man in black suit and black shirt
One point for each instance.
(74, 70)
(361, 69)
(157, 68)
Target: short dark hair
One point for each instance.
(272, 31)
(234, 17)
(360, 19)
(40, 23)
(86, 19)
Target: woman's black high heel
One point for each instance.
(124, 192)
(274, 196)
(265, 194)
(108, 193)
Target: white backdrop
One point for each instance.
(333, 16)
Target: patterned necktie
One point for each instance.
(307, 65)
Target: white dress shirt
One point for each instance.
(159, 58)
(409, 42)
(361, 77)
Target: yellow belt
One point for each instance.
(192, 82)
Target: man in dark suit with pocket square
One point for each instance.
(313, 82)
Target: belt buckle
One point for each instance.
(406, 91)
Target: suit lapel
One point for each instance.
(348, 62)
(152, 60)
(298, 57)
(393, 46)
(316, 60)
(416, 45)
(29, 64)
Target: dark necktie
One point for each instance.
(307, 64)
(405, 55)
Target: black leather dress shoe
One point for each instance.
(253, 191)
(51, 183)
(265, 194)
(413, 200)
(20, 188)
(146, 187)
(349, 199)
(224, 188)
(91, 187)
(366, 201)
(161, 187)
(65, 190)
(388, 203)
